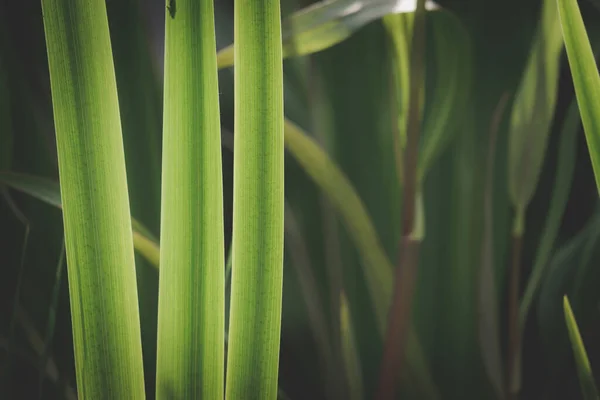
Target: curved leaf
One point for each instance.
(586, 378)
(585, 76)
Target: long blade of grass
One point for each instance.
(191, 312)
(453, 81)
(533, 109)
(42, 189)
(586, 378)
(399, 27)
(406, 271)
(585, 76)
(98, 233)
(489, 333)
(258, 206)
(531, 119)
(566, 262)
(560, 195)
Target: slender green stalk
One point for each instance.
(586, 377)
(530, 124)
(585, 76)
(412, 223)
(567, 152)
(488, 321)
(98, 233)
(258, 206)
(191, 311)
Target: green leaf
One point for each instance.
(452, 87)
(400, 27)
(191, 311)
(586, 378)
(98, 233)
(42, 189)
(560, 195)
(575, 255)
(585, 77)
(488, 320)
(533, 110)
(258, 206)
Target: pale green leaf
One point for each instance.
(586, 378)
(565, 168)
(98, 232)
(585, 77)
(258, 205)
(191, 310)
(533, 110)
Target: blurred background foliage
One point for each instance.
(347, 99)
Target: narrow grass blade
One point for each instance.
(585, 76)
(533, 109)
(258, 206)
(531, 119)
(41, 188)
(488, 320)
(567, 151)
(191, 311)
(451, 94)
(399, 27)
(327, 23)
(98, 233)
(566, 262)
(412, 223)
(586, 378)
